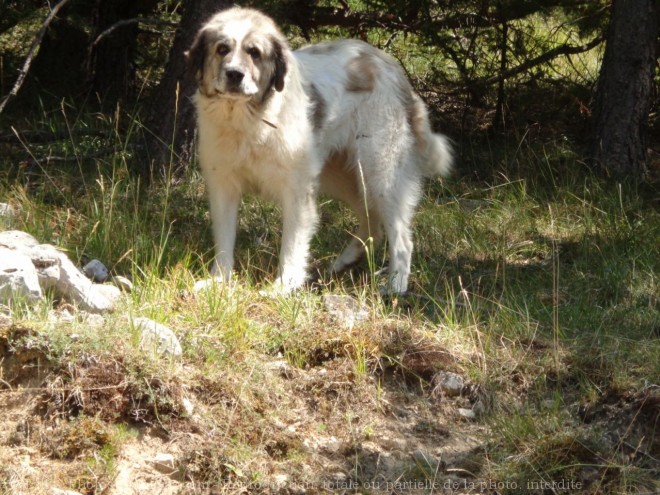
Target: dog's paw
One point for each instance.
(213, 283)
(277, 290)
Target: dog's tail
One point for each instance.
(437, 155)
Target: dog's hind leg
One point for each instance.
(397, 210)
(342, 179)
(368, 235)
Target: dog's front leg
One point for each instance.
(223, 205)
(299, 223)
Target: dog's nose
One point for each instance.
(234, 76)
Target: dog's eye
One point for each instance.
(222, 49)
(254, 53)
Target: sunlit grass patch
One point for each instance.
(539, 289)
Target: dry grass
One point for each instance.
(541, 292)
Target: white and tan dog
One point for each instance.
(338, 118)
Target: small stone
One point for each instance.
(5, 320)
(159, 336)
(122, 282)
(57, 491)
(110, 292)
(448, 383)
(96, 271)
(58, 272)
(61, 316)
(281, 479)
(345, 309)
(331, 445)
(188, 406)
(394, 443)
(165, 463)
(466, 413)
(93, 320)
(479, 408)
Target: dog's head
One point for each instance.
(239, 54)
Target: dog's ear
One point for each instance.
(281, 64)
(196, 56)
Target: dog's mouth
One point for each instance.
(231, 93)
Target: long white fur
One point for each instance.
(366, 141)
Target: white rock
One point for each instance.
(466, 413)
(96, 271)
(16, 239)
(345, 309)
(123, 283)
(54, 270)
(157, 336)
(399, 444)
(328, 444)
(110, 292)
(188, 406)
(281, 479)
(58, 272)
(93, 320)
(448, 383)
(57, 491)
(5, 320)
(61, 316)
(18, 277)
(165, 463)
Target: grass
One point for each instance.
(539, 286)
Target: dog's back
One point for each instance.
(361, 93)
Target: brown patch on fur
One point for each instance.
(361, 72)
(196, 56)
(281, 65)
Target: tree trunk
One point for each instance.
(111, 71)
(170, 123)
(625, 86)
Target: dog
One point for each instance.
(337, 118)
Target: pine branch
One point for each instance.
(541, 59)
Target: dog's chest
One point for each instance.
(253, 162)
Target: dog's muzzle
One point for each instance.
(234, 78)
(237, 82)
